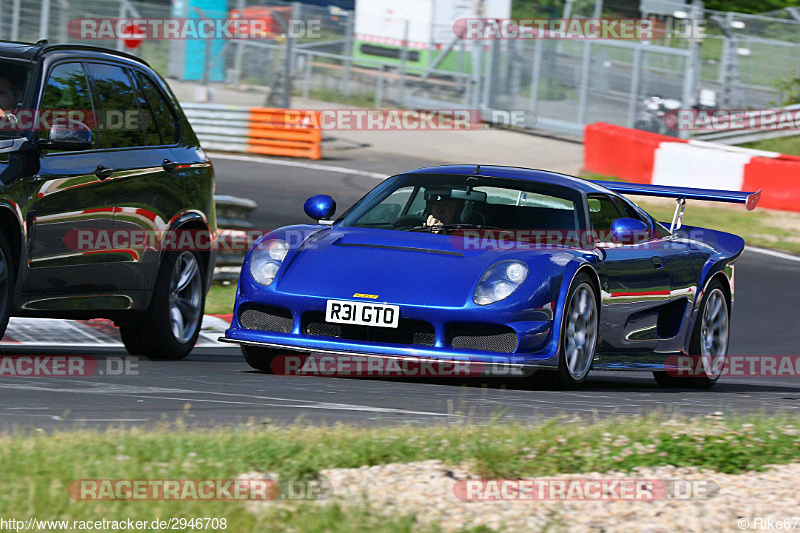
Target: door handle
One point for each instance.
(169, 166)
(103, 172)
(657, 262)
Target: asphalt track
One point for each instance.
(214, 386)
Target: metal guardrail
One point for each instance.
(257, 130)
(234, 227)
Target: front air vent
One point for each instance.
(265, 318)
(482, 337)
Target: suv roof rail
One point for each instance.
(45, 47)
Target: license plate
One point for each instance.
(362, 313)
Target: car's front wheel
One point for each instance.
(578, 334)
(170, 326)
(709, 343)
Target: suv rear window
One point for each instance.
(162, 111)
(116, 98)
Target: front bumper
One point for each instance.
(534, 349)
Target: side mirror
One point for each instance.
(72, 135)
(320, 207)
(629, 231)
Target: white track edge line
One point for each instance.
(302, 164)
(773, 253)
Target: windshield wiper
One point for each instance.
(452, 226)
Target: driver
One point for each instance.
(10, 94)
(443, 210)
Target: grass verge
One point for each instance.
(778, 230)
(219, 300)
(783, 145)
(39, 466)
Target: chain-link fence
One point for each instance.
(565, 84)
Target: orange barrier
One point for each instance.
(622, 152)
(280, 132)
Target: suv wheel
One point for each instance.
(6, 283)
(170, 326)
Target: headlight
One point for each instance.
(266, 259)
(499, 282)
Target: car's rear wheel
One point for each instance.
(259, 358)
(6, 283)
(578, 334)
(170, 326)
(709, 342)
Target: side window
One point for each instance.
(152, 137)
(162, 111)
(602, 212)
(631, 212)
(68, 90)
(121, 121)
(627, 210)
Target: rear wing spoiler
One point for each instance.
(750, 199)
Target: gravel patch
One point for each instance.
(425, 488)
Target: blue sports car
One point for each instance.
(500, 266)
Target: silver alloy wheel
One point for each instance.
(185, 296)
(581, 331)
(714, 334)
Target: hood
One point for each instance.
(398, 267)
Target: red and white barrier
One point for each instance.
(643, 157)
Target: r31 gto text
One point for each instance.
(362, 313)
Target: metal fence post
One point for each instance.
(490, 83)
(586, 69)
(63, 21)
(634, 90)
(348, 52)
(401, 90)
(691, 68)
(379, 88)
(583, 94)
(286, 97)
(15, 20)
(477, 74)
(307, 78)
(44, 19)
(536, 74)
(238, 58)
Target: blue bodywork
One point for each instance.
(649, 292)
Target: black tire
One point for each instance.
(6, 283)
(259, 358)
(703, 381)
(564, 377)
(152, 335)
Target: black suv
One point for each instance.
(98, 164)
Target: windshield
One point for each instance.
(445, 203)
(14, 82)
